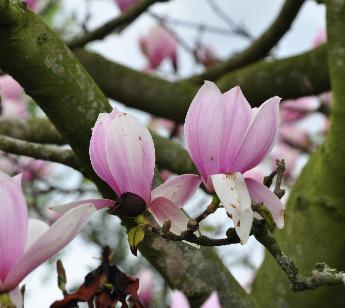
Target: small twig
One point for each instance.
(117, 24)
(322, 275)
(278, 191)
(39, 151)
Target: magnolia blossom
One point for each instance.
(9, 88)
(158, 45)
(123, 155)
(297, 109)
(124, 5)
(320, 37)
(146, 285)
(226, 138)
(179, 300)
(26, 243)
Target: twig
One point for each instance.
(259, 48)
(117, 24)
(45, 152)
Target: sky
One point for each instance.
(255, 15)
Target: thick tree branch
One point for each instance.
(117, 24)
(72, 101)
(39, 130)
(260, 47)
(45, 152)
(302, 75)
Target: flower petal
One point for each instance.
(178, 189)
(212, 301)
(233, 194)
(57, 237)
(163, 209)
(97, 149)
(178, 300)
(16, 297)
(131, 155)
(35, 229)
(203, 127)
(13, 223)
(237, 119)
(260, 193)
(259, 137)
(97, 203)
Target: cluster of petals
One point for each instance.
(124, 5)
(225, 138)
(122, 154)
(297, 109)
(157, 45)
(179, 300)
(26, 243)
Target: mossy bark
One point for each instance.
(315, 228)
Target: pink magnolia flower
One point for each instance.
(33, 168)
(157, 46)
(123, 155)
(294, 134)
(146, 285)
(179, 300)
(320, 37)
(26, 243)
(226, 138)
(297, 109)
(124, 5)
(9, 88)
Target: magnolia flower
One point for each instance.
(179, 300)
(123, 155)
(27, 243)
(225, 138)
(9, 88)
(320, 37)
(157, 46)
(124, 5)
(146, 285)
(297, 109)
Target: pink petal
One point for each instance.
(178, 189)
(212, 301)
(57, 237)
(178, 300)
(260, 193)
(124, 5)
(131, 155)
(238, 115)
(16, 298)
(36, 228)
(259, 137)
(146, 285)
(163, 209)
(203, 127)
(97, 203)
(13, 223)
(97, 149)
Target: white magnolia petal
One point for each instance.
(98, 204)
(16, 297)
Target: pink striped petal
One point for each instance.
(232, 191)
(97, 149)
(212, 301)
(163, 209)
(97, 203)
(36, 228)
(260, 193)
(238, 115)
(131, 155)
(259, 137)
(203, 127)
(57, 237)
(178, 189)
(13, 223)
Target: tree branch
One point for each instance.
(259, 48)
(45, 152)
(117, 24)
(302, 75)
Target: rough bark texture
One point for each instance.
(315, 210)
(50, 73)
